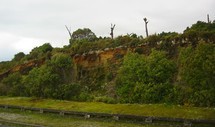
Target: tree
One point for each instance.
(51, 79)
(40, 51)
(62, 65)
(146, 22)
(197, 66)
(192, 36)
(200, 30)
(208, 18)
(197, 73)
(145, 79)
(112, 28)
(129, 76)
(159, 68)
(83, 34)
(12, 85)
(18, 56)
(152, 40)
(70, 34)
(61, 61)
(42, 82)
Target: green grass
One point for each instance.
(161, 110)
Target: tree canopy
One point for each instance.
(84, 34)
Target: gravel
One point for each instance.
(11, 116)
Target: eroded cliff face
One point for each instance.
(99, 58)
(23, 68)
(87, 65)
(84, 62)
(91, 63)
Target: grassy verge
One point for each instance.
(161, 110)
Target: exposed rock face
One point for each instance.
(85, 61)
(23, 68)
(89, 63)
(99, 58)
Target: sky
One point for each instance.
(25, 24)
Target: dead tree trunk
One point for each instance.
(146, 22)
(112, 28)
(208, 18)
(70, 34)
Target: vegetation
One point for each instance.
(162, 68)
(81, 35)
(145, 79)
(39, 52)
(159, 110)
(197, 74)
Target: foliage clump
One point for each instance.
(145, 79)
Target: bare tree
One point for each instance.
(69, 31)
(208, 18)
(70, 34)
(146, 22)
(112, 28)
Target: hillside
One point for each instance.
(162, 68)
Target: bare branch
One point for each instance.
(69, 31)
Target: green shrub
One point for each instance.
(105, 99)
(145, 79)
(85, 97)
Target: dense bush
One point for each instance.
(145, 79)
(39, 52)
(70, 91)
(18, 56)
(12, 85)
(197, 72)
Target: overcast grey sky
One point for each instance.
(25, 24)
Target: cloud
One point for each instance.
(12, 44)
(28, 22)
(5, 49)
